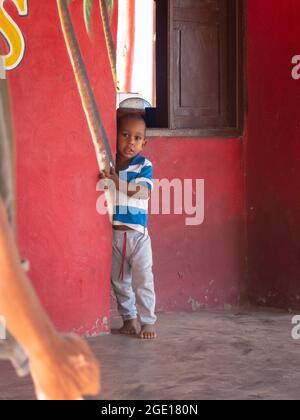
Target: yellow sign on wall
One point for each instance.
(12, 34)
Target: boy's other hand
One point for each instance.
(111, 175)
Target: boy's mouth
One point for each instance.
(129, 151)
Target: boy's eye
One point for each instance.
(138, 138)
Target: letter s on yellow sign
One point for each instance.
(12, 34)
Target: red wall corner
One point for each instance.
(67, 242)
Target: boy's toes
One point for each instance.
(148, 332)
(130, 327)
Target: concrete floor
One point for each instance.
(203, 355)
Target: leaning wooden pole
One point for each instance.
(96, 127)
(109, 39)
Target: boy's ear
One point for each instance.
(145, 142)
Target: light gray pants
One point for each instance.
(132, 277)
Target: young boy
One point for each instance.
(132, 277)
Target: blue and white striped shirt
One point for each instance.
(130, 211)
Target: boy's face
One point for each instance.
(131, 138)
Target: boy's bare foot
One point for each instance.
(130, 327)
(148, 332)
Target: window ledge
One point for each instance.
(195, 133)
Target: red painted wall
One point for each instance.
(202, 266)
(67, 242)
(273, 153)
(195, 267)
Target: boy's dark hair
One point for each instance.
(130, 116)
